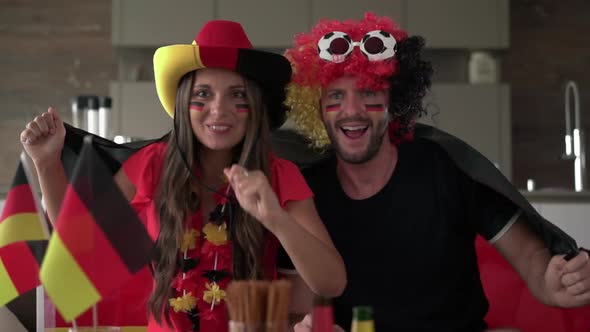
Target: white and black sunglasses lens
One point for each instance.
(378, 45)
(335, 46)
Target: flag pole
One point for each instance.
(40, 308)
(95, 316)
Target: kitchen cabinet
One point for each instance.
(155, 22)
(138, 111)
(479, 114)
(338, 9)
(268, 23)
(572, 218)
(449, 24)
(471, 24)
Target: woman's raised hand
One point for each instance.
(43, 137)
(254, 194)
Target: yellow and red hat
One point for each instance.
(223, 44)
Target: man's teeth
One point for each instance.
(353, 128)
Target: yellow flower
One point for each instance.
(214, 293)
(216, 234)
(184, 303)
(189, 239)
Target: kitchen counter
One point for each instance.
(557, 196)
(542, 195)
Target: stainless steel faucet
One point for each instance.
(574, 138)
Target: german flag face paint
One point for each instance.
(374, 107)
(196, 106)
(333, 107)
(242, 108)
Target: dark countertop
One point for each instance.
(537, 196)
(556, 196)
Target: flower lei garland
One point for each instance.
(216, 251)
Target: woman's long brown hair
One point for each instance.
(176, 199)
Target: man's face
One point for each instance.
(356, 119)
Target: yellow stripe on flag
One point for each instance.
(7, 290)
(21, 227)
(65, 282)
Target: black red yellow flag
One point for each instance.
(98, 242)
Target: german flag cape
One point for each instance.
(292, 146)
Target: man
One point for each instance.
(403, 202)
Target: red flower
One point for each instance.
(208, 251)
(188, 283)
(208, 314)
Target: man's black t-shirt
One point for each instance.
(409, 249)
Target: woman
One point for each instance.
(211, 193)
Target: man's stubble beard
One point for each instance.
(370, 152)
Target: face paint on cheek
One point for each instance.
(242, 108)
(374, 108)
(196, 106)
(333, 107)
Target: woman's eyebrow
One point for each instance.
(200, 86)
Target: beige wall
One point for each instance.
(50, 51)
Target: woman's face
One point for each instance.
(218, 108)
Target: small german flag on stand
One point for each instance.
(23, 237)
(98, 242)
(19, 268)
(21, 218)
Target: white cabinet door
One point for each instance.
(474, 24)
(342, 10)
(572, 218)
(157, 22)
(137, 110)
(479, 114)
(268, 23)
